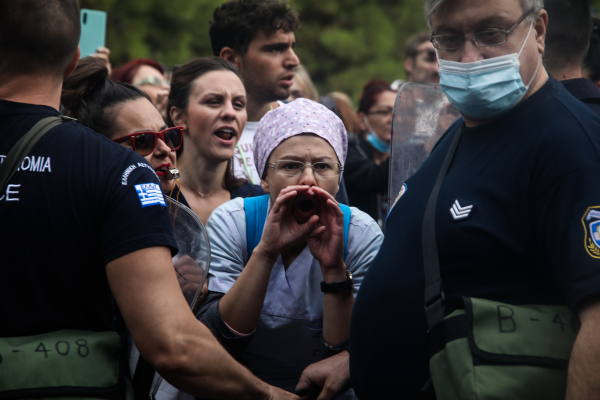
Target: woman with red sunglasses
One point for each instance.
(124, 114)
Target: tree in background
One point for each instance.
(342, 43)
(169, 31)
(345, 43)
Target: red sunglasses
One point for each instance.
(144, 143)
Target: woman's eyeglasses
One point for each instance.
(295, 168)
(144, 143)
(382, 113)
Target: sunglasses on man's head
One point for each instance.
(144, 143)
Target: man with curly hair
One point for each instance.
(258, 37)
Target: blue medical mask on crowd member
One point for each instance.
(379, 144)
(486, 88)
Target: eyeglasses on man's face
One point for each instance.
(144, 143)
(487, 38)
(296, 168)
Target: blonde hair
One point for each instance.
(303, 79)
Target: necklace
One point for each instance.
(202, 194)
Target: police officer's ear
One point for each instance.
(74, 62)
(540, 25)
(232, 56)
(178, 117)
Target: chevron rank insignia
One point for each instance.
(461, 209)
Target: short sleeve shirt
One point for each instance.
(77, 202)
(246, 145)
(516, 221)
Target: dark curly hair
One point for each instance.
(236, 22)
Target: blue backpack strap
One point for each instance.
(256, 214)
(347, 214)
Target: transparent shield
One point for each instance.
(421, 115)
(192, 261)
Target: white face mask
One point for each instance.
(486, 88)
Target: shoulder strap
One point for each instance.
(434, 294)
(256, 215)
(20, 150)
(347, 214)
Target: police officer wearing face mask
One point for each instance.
(516, 213)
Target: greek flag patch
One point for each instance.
(150, 194)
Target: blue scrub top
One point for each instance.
(289, 334)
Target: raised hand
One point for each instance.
(282, 230)
(103, 54)
(326, 242)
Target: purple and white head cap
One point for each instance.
(299, 116)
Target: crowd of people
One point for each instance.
(322, 283)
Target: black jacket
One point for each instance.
(364, 179)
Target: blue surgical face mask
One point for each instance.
(486, 88)
(379, 144)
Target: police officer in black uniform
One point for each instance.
(517, 214)
(83, 219)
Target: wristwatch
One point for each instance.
(335, 287)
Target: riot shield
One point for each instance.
(421, 115)
(191, 262)
(193, 259)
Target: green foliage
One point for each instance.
(348, 42)
(343, 43)
(169, 31)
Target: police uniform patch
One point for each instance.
(591, 227)
(403, 190)
(150, 194)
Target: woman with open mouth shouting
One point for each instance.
(286, 266)
(208, 100)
